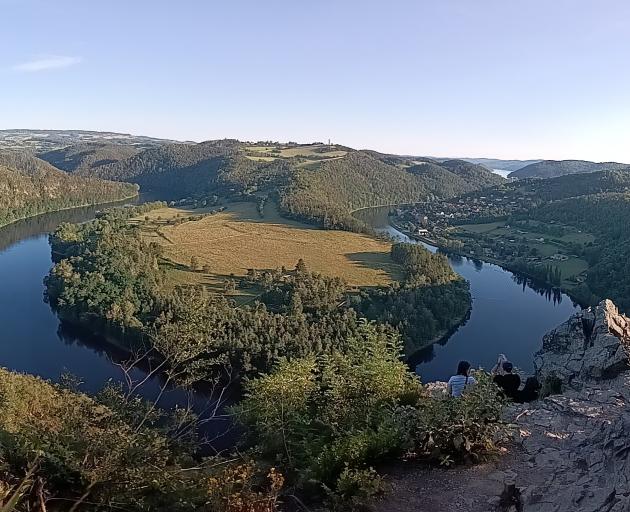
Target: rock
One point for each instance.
(593, 344)
(576, 447)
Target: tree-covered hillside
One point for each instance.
(360, 179)
(85, 156)
(315, 182)
(555, 168)
(29, 186)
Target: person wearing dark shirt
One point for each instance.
(530, 392)
(508, 382)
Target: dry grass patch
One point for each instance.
(237, 239)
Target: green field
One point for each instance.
(545, 245)
(481, 228)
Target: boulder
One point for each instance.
(592, 345)
(574, 451)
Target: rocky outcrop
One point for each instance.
(592, 345)
(575, 446)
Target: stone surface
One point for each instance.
(576, 445)
(591, 345)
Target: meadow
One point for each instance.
(229, 243)
(545, 245)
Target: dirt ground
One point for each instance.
(415, 487)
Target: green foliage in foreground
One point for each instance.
(326, 418)
(321, 420)
(61, 450)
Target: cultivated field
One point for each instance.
(545, 245)
(238, 239)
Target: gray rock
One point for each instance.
(591, 345)
(576, 445)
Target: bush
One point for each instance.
(355, 489)
(244, 487)
(319, 416)
(466, 429)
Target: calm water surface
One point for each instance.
(508, 315)
(32, 338)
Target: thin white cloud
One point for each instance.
(47, 63)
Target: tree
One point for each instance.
(301, 266)
(194, 263)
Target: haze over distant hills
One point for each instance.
(555, 168)
(47, 140)
(497, 163)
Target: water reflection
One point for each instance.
(33, 340)
(510, 313)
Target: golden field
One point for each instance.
(233, 241)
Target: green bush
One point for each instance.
(465, 429)
(318, 415)
(355, 489)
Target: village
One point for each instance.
(494, 226)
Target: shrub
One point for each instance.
(244, 487)
(450, 430)
(355, 489)
(319, 415)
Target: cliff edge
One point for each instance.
(571, 450)
(576, 444)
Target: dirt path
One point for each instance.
(417, 487)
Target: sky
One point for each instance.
(470, 78)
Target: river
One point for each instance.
(509, 314)
(34, 340)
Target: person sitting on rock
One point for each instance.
(530, 391)
(497, 369)
(508, 382)
(459, 383)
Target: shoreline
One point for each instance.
(87, 205)
(492, 261)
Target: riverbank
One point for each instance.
(68, 208)
(494, 261)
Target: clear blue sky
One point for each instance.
(504, 78)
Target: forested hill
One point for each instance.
(314, 182)
(86, 156)
(555, 168)
(29, 186)
(362, 179)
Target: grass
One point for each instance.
(311, 150)
(233, 241)
(551, 245)
(571, 267)
(481, 228)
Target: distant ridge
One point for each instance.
(495, 163)
(556, 168)
(39, 141)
